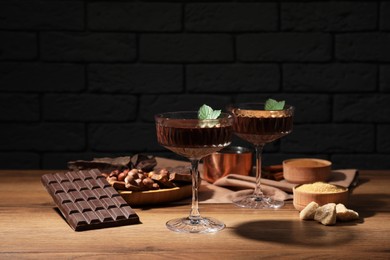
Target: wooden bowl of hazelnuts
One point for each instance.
(159, 186)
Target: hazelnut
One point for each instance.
(133, 173)
(164, 172)
(148, 182)
(150, 174)
(139, 183)
(114, 173)
(122, 176)
(111, 180)
(130, 180)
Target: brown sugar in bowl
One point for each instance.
(334, 194)
(306, 170)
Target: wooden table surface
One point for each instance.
(30, 227)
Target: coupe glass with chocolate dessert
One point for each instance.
(184, 133)
(259, 124)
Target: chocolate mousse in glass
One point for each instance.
(259, 127)
(184, 134)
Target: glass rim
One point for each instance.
(164, 115)
(241, 106)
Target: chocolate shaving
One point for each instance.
(180, 177)
(138, 161)
(144, 162)
(162, 178)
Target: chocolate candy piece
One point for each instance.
(87, 200)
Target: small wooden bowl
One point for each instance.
(306, 170)
(302, 198)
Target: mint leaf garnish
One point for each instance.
(272, 104)
(206, 112)
(215, 114)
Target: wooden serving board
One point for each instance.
(150, 197)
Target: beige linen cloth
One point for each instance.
(233, 185)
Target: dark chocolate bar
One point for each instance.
(87, 200)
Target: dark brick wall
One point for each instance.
(84, 78)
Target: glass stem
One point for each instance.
(194, 214)
(259, 152)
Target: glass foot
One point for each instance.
(202, 225)
(258, 202)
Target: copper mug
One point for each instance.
(230, 160)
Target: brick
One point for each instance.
(154, 104)
(139, 78)
(383, 139)
(89, 107)
(227, 17)
(19, 107)
(18, 46)
(309, 108)
(232, 78)
(384, 16)
(329, 16)
(363, 47)
(132, 138)
(334, 77)
(42, 15)
(19, 160)
(384, 78)
(186, 47)
(41, 77)
(284, 47)
(330, 138)
(107, 47)
(361, 161)
(120, 16)
(361, 108)
(42, 137)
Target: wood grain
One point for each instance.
(30, 227)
